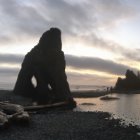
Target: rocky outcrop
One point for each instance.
(130, 82)
(46, 63)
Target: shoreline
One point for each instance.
(67, 125)
(89, 93)
(75, 94)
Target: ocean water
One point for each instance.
(127, 107)
(6, 86)
(9, 86)
(87, 87)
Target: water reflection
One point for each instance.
(127, 107)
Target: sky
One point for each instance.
(100, 37)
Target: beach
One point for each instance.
(66, 125)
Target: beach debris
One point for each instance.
(20, 117)
(3, 119)
(10, 108)
(109, 98)
(67, 104)
(12, 112)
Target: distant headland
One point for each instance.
(129, 83)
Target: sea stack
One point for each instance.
(130, 82)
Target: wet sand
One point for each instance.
(67, 125)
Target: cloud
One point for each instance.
(20, 21)
(132, 55)
(11, 58)
(111, 12)
(32, 18)
(24, 19)
(93, 63)
(87, 63)
(89, 79)
(8, 71)
(9, 74)
(8, 77)
(129, 54)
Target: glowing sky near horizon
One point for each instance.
(100, 37)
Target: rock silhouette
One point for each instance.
(130, 82)
(46, 63)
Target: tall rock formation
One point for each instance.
(130, 82)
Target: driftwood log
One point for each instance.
(10, 108)
(16, 112)
(45, 106)
(12, 112)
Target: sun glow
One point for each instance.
(90, 77)
(79, 49)
(91, 72)
(13, 66)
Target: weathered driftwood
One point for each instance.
(46, 106)
(12, 112)
(10, 108)
(21, 117)
(3, 119)
(16, 112)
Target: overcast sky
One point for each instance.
(100, 37)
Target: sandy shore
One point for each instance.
(67, 125)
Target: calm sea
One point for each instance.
(87, 87)
(9, 86)
(127, 107)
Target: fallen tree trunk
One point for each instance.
(46, 106)
(12, 112)
(16, 112)
(21, 117)
(10, 108)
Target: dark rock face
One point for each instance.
(130, 82)
(46, 62)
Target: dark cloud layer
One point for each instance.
(9, 71)
(11, 58)
(87, 63)
(97, 64)
(88, 79)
